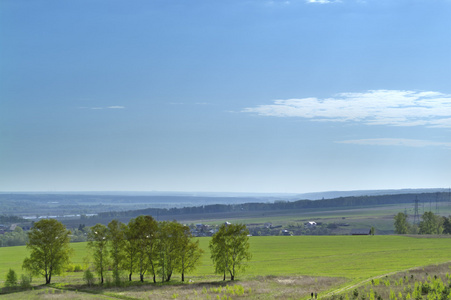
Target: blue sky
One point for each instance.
(224, 96)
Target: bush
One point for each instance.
(117, 278)
(25, 281)
(70, 268)
(425, 288)
(77, 268)
(11, 279)
(88, 276)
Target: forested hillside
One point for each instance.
(362, 201)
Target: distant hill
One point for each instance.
(337, 194)
(333, 203)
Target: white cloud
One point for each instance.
(100, 107)
(272, 3)
(397, 142)
(322, 1)
(375, 107)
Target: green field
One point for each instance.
(353, 257)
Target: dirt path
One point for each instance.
(353, 286)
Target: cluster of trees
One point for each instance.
(430, 224)
(143, 246)
(16, 237)
(10, 219)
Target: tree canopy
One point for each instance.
(230, 249)
(431, 223)
(48, 241)
(147, 246)
(401, 224)
(97, 242)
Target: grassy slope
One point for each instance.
(354, 257)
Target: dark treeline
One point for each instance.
(7, 219)
(342, 202)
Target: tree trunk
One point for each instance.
(154, 278)
(141, 277)
(183, 277)
(130, 277)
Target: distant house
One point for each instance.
(310, 224)
(227, 223)
(267, 225)
(201, 230)
(286, 233)
(360, 231)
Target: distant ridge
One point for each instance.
(240, 208)
(338, 194)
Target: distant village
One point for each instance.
(13, 234)
(268, 229)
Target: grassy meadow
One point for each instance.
(346, 259)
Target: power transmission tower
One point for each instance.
(436, 203)
(416, 216)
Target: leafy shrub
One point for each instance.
(77, 268)
(70, 268)
(11, 279)
(117, 277)
(425, 288)
(25, 281)
(88, 276)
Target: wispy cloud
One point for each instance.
(397, 142)
(103, 107)
(323, 1)
(374, 107)
(280, 2)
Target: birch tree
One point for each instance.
(48, 241)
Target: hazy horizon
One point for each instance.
(202, 193)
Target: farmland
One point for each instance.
(291, 266)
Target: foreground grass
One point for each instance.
(52, 293)
(281, 267)
(431, 282)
